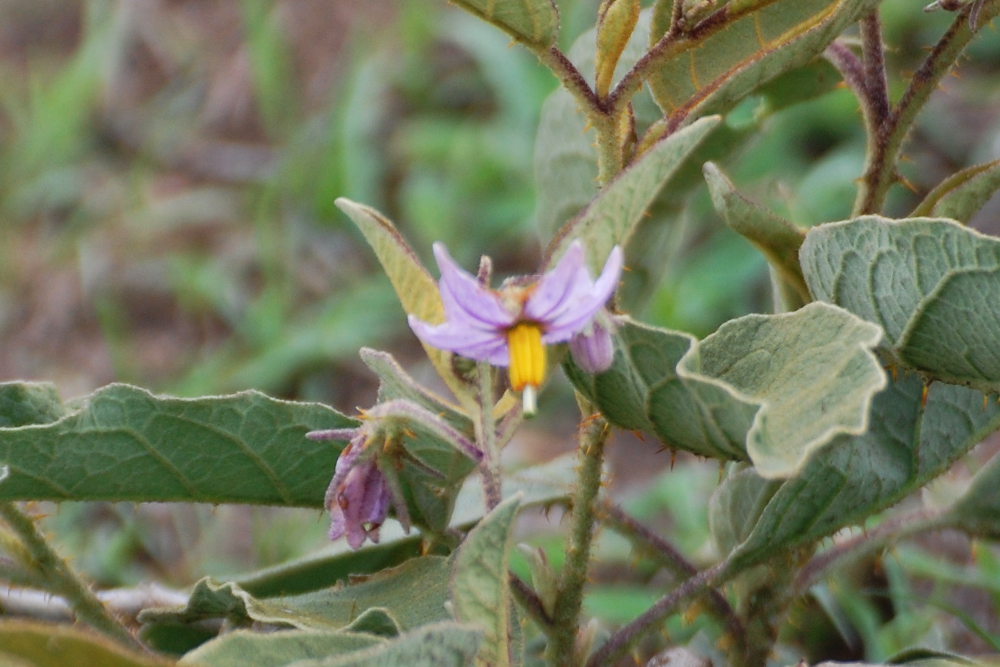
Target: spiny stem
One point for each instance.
(61, 579)
(486, 436)
(623, 523)
(566, 616)
(873, 57)
(621, 640)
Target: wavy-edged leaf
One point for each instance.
(961, 195)
(437, 645)
(412, 594)
(912, 438)
(480, 584)
(769, 388)
(534, 22)
(275, 649)
(125, 443)
(931, 284)
(25, 403)
(743, 45)
(417, 290)
(50, 645)
(612, 217)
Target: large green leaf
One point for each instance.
(961, 195)
(275, 649)
(932, 284)
(480, 584)
(124, 443)
(437, 645)
(412, 594)
(534, 22)
(417, 290)
(912, 438)
(744, 45)
(34, 644)
(769, 388)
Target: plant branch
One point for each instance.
(673, 560)
(884, 148)
(872, 540)
(873, 57)
(61, 579)
(530, 602)
(594, 433)
(620, 641)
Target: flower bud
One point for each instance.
(593, 349)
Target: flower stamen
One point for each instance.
(527, 356)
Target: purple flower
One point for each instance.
(511, 326)
(359, 496)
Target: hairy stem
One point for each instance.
(566, 616)
(486, 436)
(61, 579)
(664, 552)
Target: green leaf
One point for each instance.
(932, 284)
(417, 290)
(480, 585)
(769, 388)
(47, 645)
(274, 649)
(124, 443)
(25, 403)
(533, 22)
(612, 217)
(437, 645)
(314, 572)
(909, 442)
(411, 594)
(777, 238)
(961, 195)
(744, 45)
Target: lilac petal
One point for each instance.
(345, 463)
(490, 346)
(337, 525)
(559, 286)
(573, 316)
(465, 298)
(593, 351)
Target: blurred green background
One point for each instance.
(167, 177)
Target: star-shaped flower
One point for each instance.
(511, 326)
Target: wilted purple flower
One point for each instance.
(359, 497)
(511, 326)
